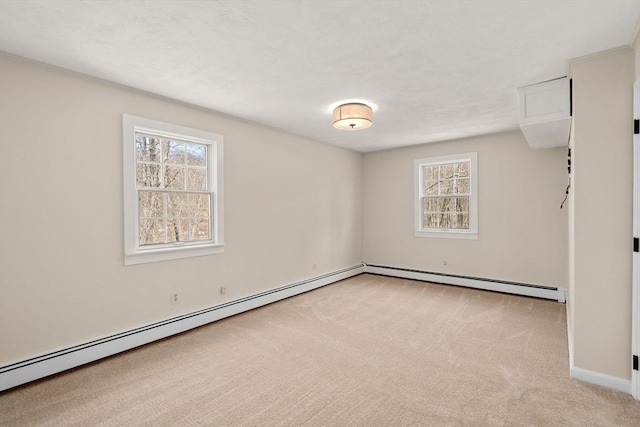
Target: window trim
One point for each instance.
(133, 252)
(472, 233)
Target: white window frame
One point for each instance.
(472, 232)
(134, 253)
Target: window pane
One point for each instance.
(177, 205)
(462, 169)
(430, 173)
(200, 229)
(461, 221)
(147, 176)
(462, 186)
(147, 148)
(431, 188)
(151, 231)
(446, 171)
(150, 204)
(429, 204)
(446, 187)
(462, 204)
(174, 151)
(197, 179)
(196, 154)
(174, 177)
(177, 230)
(200, 205)
(430, 221)
(446, 204)
(445, 220)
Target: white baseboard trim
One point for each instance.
(546, 292)
(592, 377)
(558, 294)
(608, 381)
(22, 372)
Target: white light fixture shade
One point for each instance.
(354, 116)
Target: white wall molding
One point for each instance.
(546, 292)
(592, 377)
(21, 372)
(569, 335)
(608, 381)
(14, 374)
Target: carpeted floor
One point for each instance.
(367, 351)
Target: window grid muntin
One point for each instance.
(163, 163)
(463, 168)
(166, 217)
(452, 213)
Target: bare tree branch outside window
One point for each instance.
(173, 202)
(445, 198)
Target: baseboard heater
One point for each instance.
(18, 373)
(546, 292)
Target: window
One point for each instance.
(446, 196)
(173, 204)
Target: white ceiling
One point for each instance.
(437, 70)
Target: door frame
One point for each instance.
(635, 318)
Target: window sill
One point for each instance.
(448, 234)
(167, 254)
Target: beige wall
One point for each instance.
(290, 202)
(602, 215)
(522, 231)
(637, 58)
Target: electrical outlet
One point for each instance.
(445, 263)
(315, 265)
(223, 290)
(174, 298)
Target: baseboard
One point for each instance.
(558, 294)
(546, 292)
(22, 372)
(608, 381)
(592, 377)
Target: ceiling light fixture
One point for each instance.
(352, 116)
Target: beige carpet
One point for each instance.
(367, 351)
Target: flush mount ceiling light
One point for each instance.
(352, 116)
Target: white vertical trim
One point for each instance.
(569, 336)
(635, 318)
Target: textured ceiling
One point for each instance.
(437, 70)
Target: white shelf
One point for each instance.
(545, 113)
